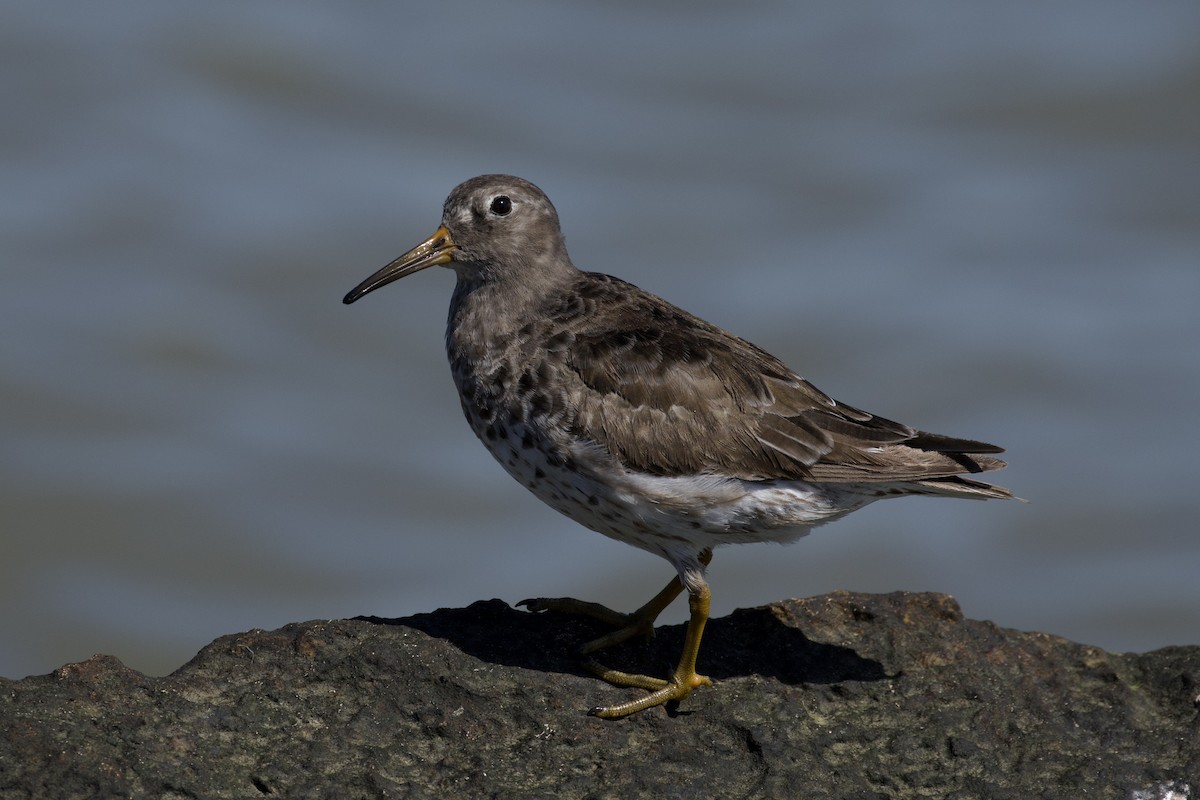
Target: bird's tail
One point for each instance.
(958, 486)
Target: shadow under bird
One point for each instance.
(648, 424)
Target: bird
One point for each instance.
(646, 423)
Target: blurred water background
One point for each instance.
(983, 220)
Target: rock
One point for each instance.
(841, 696)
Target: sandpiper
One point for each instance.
(648, 424)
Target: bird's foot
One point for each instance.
(627, 626)
(680, 685)
(641, 622)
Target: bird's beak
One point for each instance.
(437, 249)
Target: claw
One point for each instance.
(684, 678)
(679, 687)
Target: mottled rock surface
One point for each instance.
(840, 696)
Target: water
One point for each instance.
(981, 221)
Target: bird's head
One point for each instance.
(494, 227)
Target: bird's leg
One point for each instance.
(682, 681)
(627, 625)
(640, 622)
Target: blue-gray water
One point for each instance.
(981, 220)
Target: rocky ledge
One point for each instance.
(841, 696)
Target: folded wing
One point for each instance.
(669, 394)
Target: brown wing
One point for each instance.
(669, 394)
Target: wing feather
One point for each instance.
(670, 394)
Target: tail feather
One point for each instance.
(937, 443)
(958, 486)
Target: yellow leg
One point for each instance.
(640, 622)
(627, 625)
(682, 681)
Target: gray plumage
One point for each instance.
(641, 420)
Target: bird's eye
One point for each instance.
(501, 206)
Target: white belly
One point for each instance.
(668, 516)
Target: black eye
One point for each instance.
(501, 206)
